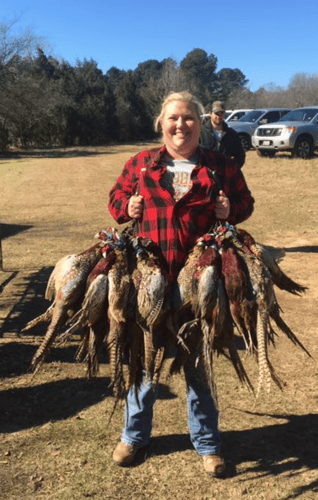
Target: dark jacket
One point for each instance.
(230, 144)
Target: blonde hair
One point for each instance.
(184, 96)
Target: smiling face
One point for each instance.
(181, 126)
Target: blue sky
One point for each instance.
(268, 41)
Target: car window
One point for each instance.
(236, 116)
(310, 113)
(300, 115)
(251, 116)
(271, 116)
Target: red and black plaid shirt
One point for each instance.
(176, 225)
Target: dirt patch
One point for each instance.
(54, 442)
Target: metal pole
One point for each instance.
(1, 259)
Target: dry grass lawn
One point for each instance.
(54, 443)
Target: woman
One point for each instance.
(171, 192)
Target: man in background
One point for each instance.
(216, 135)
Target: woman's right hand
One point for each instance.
(135, 206)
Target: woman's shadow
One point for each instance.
(286, 447)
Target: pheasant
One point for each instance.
(275, 314)
(200, 290)
(69, 294)
(280, 279)
(60, 270)
(240, 294)
(263, 272)
(151, 285)
(225, 343)
(261, 281)
(119, 293)
(92, 316)
(185, 289)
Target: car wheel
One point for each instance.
(266, 152)
(246, 141)
(303, 148)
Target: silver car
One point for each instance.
(235, 115)
(296, 132)
(247, 125)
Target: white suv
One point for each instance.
(296, 132)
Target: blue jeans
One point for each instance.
(202, 415)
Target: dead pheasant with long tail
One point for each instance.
(151, 285)
(200, 293)
(70, 290)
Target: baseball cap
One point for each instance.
(218, 106)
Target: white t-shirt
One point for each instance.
(178, 176)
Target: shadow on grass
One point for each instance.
(72, 151)
(8, 279)
(19, 154)
(303, 249)
(285, 448)
(26, 302)
(8, 230)
(277, 449)
(27, 407)
(16, 357)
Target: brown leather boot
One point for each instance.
(124, 454)
(214, 465)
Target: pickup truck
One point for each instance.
(296, 132)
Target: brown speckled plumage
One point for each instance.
(151, 284)
(70, 290)
(240, 294)
(119, 284)
(200, 294)
(120, 291)
(280, 279)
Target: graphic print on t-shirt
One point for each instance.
(178, 176)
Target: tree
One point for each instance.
(135, 120)
(303, 88)
(172, 79)
(91, 105)
(199, 69)
(114, 77)
(147, 71)
(241, 98)
(28, 103)
(229, 80)
(20, 94)
(13, 45)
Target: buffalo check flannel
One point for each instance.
(176, 225)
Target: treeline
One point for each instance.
(302, 90)
(46, 102)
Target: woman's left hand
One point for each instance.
(222, 207)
